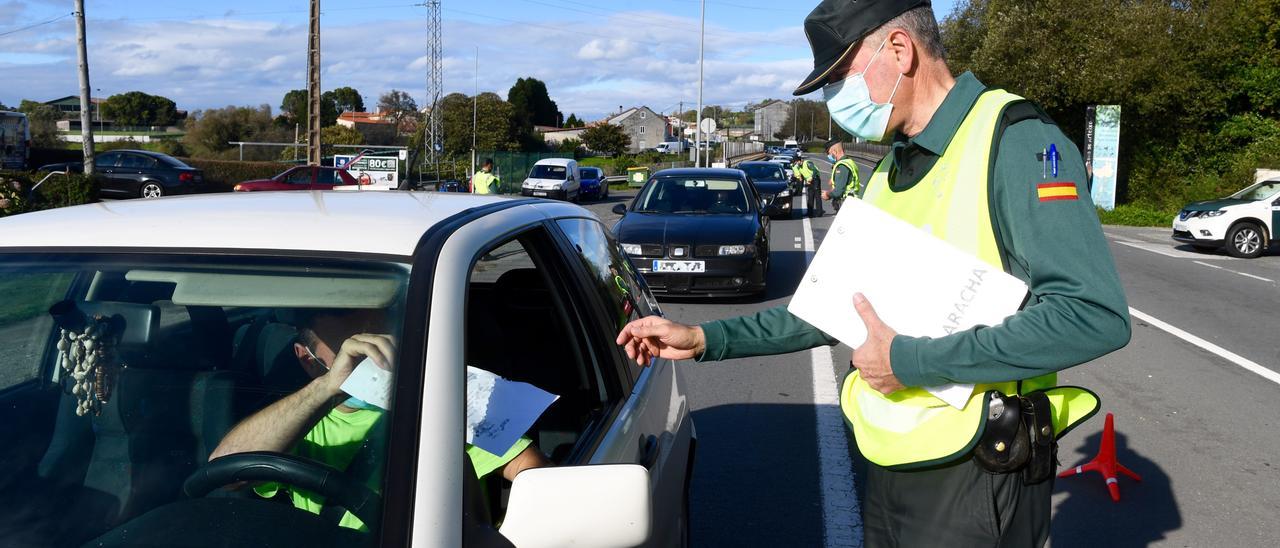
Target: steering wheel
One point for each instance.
(335, 486)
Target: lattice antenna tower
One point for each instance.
(434, 140)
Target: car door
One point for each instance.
(131, 170)
(654, 428)
(298, 178)
(108, 164)
(326, 179)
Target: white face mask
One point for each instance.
(849, 102)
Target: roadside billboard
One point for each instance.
(376, 170)
(1104, 153)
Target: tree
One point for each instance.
(293, 108)
(399, 107)
(136, 108)
(210, 132)
(494, 128)
(43, 123)
(572, 146)
(346, 99)
(533, 107)
(606, 139)
(573, 121)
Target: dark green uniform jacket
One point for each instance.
(1077, 310)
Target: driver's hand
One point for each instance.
(380, 348)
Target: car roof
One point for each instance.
(150, 153)
(555, 162)
(759, 163)
(700, 172)
(379, 222)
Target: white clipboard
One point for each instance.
(919, 284)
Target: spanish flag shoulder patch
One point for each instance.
(1050, 192)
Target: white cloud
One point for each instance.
(642, 58)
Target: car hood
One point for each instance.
(1214, 205)
(545, 182)
(655, 228)
(771, 187)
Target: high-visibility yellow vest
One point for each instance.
(484, 183)
(852, 188)
(911, 428)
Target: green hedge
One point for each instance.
(222, 175)
(1136, 215)
(59, 191)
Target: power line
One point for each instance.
(40, 24)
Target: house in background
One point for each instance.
(556, 135)
(375, 127)
(69, 108)
(645, 127)
(770, 117)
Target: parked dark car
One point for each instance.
(698, 232)
(301, 178)
(594, 185)
(140, 174)
(772, 184)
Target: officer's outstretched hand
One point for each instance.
(872, 358)
(655, 336)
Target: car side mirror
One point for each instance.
(602, 505)
(620, 209)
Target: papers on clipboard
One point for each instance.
(920, 285)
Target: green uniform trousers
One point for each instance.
(955, 506)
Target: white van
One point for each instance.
(553, 178)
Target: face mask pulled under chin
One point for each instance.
(849, 102)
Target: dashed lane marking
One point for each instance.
(841, 516)
(1210, 347)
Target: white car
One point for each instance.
(136, 334)
(556, 178)
(1244, 223)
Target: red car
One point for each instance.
(301, 178)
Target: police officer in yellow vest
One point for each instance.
(964, 166)
(484, 181)
(844, 176)
(813, 182)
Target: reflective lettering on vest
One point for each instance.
(911, 428)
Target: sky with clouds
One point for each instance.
(594, 55)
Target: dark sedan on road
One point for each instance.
(698, 232)
(772, 184)
(594, 185)
(301, 178)
(140, 174)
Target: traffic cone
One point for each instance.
(1105, 462)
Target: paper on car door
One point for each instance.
(499, 411)
(920, 285)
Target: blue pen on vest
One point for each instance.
(1053, 158)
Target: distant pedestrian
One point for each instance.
(813, 182)
(484, 181)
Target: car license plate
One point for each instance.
(680, 266)
(537, 193)
(1180, 227)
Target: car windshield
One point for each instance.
(763, 172)
(1260, 191)
(589, 173)
(124, 374)
(693, 195)
(549, 172)
(174, 162)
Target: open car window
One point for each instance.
(124, 374)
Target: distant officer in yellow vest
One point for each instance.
(484, 181)
(844, 176)
(964, 166)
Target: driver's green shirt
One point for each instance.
(337, 438)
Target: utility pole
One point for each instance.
(313, 87)
(702, 44)
(86, 103)
(475, 114)
(435, 83)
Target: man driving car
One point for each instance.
(322, 422)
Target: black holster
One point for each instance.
(1019, 436)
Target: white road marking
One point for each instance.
(1245, 274)
(841, 515)
(1206, 345)
(1159, 250)
(1248, 275)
